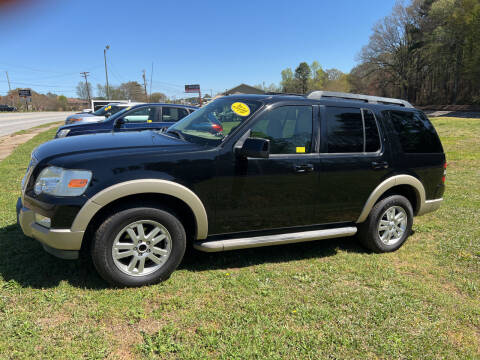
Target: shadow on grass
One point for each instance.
(24, 261)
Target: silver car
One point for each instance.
(99, 115)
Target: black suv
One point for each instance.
(244, 171)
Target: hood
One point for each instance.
(117, 141)
(79, 116)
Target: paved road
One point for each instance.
(13, 122)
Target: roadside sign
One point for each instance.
(24, 92)
(192, 88)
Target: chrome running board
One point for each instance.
(269, 240)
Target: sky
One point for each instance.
(45, 44)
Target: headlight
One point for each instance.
(63, 133)
(62, 182)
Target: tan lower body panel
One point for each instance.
(61, 239)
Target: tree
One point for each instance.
(82, 91)
(63, 102)
(319, 76)
(302, 76)
(288, 82)
(158, 97)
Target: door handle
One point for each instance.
(377, 165)
(304, 168)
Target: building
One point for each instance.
(243, 89)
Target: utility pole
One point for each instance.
(151, 82)
(9, 87)
(145, 86)
(106, 72)
(85, 74)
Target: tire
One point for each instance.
(166, 246)
(386, 236)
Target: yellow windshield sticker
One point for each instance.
(300, 149)
(108, 107)
(240, 108)
(149, 120)
(128, 108)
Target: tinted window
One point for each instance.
(344, 130)
(372, 138)
(173, 114)
(289, 129)
(140, 115)
(415, 132)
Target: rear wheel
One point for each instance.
(138, 246)
(388, 225)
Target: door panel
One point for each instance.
(281, 191)
(347, 179)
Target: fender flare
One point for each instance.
(388, 184)
(142, 186)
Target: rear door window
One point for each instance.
(415, 132)
(351, 130)
(372, 136)
(173, 114)
(344, 128)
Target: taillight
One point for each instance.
(217, 127)
(444, 172)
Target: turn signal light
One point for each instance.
(444, 172)
(77, 183)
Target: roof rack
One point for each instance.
(282, 93)
(359, 97)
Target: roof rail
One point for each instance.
(359, 97)
(282, 93)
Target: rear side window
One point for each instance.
(344, 130)
(415, 132)
(351, 130)
(173, 114)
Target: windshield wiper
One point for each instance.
(176, 132)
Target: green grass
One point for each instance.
(326, 299)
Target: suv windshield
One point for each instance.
(213, 122)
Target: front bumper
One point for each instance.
(62, 243)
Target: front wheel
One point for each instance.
(388, 225)
(138, 246)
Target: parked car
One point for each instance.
(7, 108)
(99, 115)
(280, 169)
(131, 118)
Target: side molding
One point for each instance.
(389, 183)
(118, 191)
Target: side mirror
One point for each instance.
(254, 148)
(119, 122)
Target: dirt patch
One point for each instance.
(8, 143)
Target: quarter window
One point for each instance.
(415, 132)
(289, 129)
